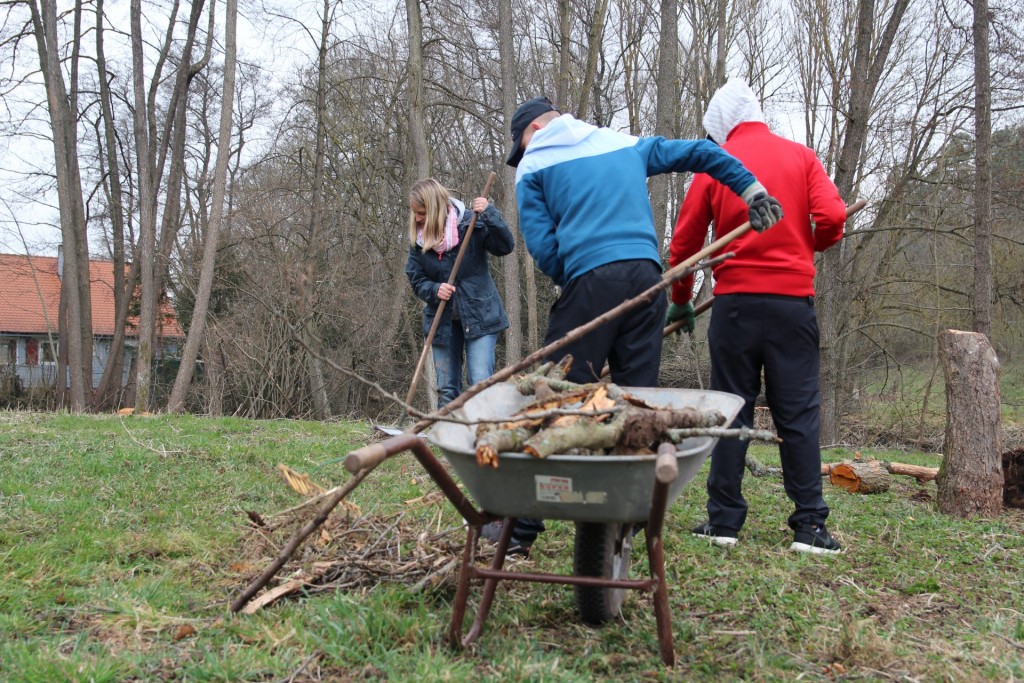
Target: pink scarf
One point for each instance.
(450, 240)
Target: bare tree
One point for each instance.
(176, 402)
(870, 58)
(150, 150)
(982, 299)
(76, 302)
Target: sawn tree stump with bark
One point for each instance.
(970, 481)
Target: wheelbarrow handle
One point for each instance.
(376, 453)
(666, 467)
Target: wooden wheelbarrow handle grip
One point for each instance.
(666, 467)
(375, 453)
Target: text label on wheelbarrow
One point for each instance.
(559, 490)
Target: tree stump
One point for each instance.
(970, 481)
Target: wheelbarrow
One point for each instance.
(608, 497)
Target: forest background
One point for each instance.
(262, 190)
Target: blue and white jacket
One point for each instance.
(582, 193)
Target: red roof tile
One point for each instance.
(30, 296)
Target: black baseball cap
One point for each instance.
(524, 116)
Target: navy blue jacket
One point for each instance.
(476, 296)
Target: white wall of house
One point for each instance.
(39, 369)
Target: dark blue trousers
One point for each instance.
(631, 344)
(779, 335)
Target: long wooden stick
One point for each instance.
(451, 280)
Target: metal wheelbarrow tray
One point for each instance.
(605, 495)
(583, 488)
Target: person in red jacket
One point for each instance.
(763, 315)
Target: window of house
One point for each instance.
(48, 351)
(31, 352)
(8, 351)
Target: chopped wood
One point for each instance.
(596, 418)
(498, 441)
(579, 435)
(922, 474)
(861, 477)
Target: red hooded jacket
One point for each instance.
(781, 259)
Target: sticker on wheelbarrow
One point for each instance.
(559, 490)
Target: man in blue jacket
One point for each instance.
(587, 221)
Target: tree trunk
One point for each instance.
(983, 173)
(196, 330)
(871, 52)
(594, 37)
(150, 154)
(124, 283)
(667, 110)
(506, 178)
(563, 77)
(76, 323)
(970, 481)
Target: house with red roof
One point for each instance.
(29, 300)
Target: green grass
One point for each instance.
(114, 534)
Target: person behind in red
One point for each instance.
(763, 315)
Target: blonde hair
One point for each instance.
(433, 197)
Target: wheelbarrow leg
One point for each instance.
(662, 615)
(665, 472)
(490, 585)
(462, 590)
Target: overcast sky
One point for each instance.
(28, 215)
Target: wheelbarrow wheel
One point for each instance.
(602, 550)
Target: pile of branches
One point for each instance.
(357, 552)
(586, 419)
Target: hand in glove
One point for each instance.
(765, 210)
(684, 313)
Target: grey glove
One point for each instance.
(764, 210)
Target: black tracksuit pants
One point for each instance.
(779, 334)
(630, 343)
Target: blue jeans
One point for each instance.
(479, 354)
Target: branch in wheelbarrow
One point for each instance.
(741, 433)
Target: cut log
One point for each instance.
(499, 441)
(922, 474)
(869, 476)
(579, 435)
(970, 481)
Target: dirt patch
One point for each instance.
(1013, 478)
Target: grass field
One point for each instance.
(123, 541)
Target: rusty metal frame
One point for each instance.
(469, 572)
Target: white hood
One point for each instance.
(734, 103)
